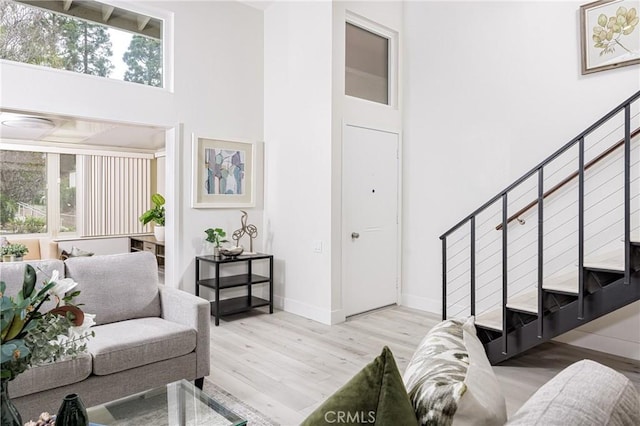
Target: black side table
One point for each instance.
(236, 304)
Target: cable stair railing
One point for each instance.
(517, 282)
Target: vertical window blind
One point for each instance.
(117, 190)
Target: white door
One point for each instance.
(369, 219)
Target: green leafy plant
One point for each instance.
(14, 249)
(609, 31)
(155, 214)
(30, 337)
(8, 209)
(215, 236)
(28, 225)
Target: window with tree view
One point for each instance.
(108, 41)
(23, 192)
(78, 195)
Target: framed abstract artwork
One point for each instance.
(223, 173)
(609, 34)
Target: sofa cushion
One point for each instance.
(124, 345)
(39, 248)
(375, 395)
(450, 379)
(53, 375)
(117, 287)
(585, 393)
(12, 273)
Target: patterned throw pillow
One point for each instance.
(75, 252)
(449, 378)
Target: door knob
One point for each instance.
(355, 235)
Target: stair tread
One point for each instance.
(566, 283)
(613, 261)
(490, 319)
(526, 301)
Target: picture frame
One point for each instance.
(609, 34)
(223, 173)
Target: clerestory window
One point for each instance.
(86, 37)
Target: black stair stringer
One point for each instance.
(610, 298)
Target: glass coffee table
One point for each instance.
(176, 404)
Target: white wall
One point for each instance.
(489, 96)
(218, 92)
(297, 131)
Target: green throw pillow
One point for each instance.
(376, 396)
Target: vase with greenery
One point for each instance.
(12, 252)
(216, 237)
(31, 337)
(156, 214)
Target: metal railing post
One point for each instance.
(581, 229)
(472, 268)
(504, 272)
(627, 194)
(540, 250)
(444, 278)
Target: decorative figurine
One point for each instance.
(250, 230)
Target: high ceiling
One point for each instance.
(55, 129)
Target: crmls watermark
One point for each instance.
(362, 417)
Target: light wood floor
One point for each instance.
(285, 365)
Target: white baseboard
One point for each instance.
(338, 316)
(305, 310)
(421, 303)
(598, 342)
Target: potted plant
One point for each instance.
(216, 237)
(156, 214)
(13, 252)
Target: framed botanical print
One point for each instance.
(610, 35)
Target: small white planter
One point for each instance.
(11, 258)
(158, 232)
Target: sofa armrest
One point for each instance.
(585, 393)
(184, 308)
(49, 249)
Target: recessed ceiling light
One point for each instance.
(29, 123)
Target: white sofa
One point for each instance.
(146, 335)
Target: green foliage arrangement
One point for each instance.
(31, 337)
(144, 61)
(8, 209)
(15, 249)
(28, 225)
(215, 236)
(609, 31)
(155, 214)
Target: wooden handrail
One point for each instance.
(568, 179)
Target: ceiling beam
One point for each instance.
(94, 12)
(106, 12)
(143, 21)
